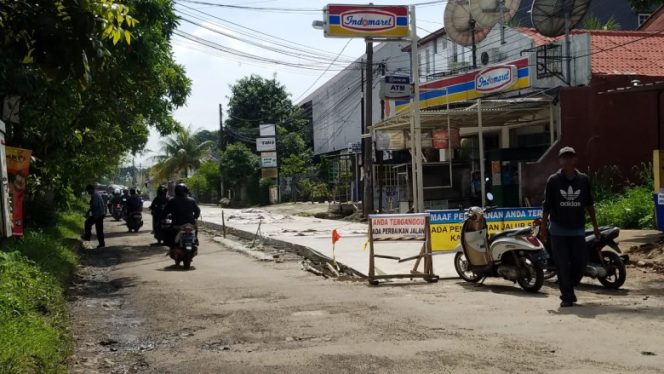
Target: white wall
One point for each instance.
(336, 106)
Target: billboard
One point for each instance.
(361, 21)
(18, 168)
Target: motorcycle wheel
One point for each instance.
(616, 274)
(461, 267)
(186, 263)
(533, 281)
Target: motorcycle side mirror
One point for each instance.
(489, 196)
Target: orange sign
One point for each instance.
(18, 168)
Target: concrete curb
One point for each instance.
(238, 247)
(300, 250)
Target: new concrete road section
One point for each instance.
(316, 234)
(134, 312)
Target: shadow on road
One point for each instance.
(176, 268)
(592, 310)
(500, 289)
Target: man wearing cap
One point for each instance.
(566, 199)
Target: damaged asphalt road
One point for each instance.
(134, 312)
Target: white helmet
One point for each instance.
(117, 191)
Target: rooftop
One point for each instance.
(617, 52)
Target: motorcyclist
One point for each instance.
(134, 203)
(157, 206)
(124, 198)
(183, 209)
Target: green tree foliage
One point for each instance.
(255, 100)
(591, 22)
(238, 165)
(205, 183)
(181, 154)
(80, 133)
(63, 37)
(645, 4)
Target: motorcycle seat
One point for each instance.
(511, 233)
(605, 231)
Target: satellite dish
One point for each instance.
(487, 13)
(460, 25)
(557, 17)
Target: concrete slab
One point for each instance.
(316, 234)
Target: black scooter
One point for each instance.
(134, 221)
(606, 262)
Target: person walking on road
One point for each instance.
(566, 199)
(95, 216)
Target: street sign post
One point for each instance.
(395, 87)
(268, 159)
(267, 130)
(266, 144)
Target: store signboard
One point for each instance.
(267, 129)
(361, 21)
(266, 144)
(269, 159)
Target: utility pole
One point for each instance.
(221, 150)
(379, 154)
(367, 200)
(362, 127)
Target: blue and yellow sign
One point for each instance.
(464, 87)
(445, 225)
(361, 21)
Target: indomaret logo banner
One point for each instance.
(445, 225)
(366, 21)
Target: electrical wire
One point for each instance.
(324, 72)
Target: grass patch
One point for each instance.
(630, 207)
(34, 273)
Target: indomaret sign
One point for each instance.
(366, 21)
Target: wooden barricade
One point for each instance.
(401, 227)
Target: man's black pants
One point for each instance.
(98, 222)
(570, 255)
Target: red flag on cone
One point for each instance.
(335, 236)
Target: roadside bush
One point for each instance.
(634, 209)
(34, 272)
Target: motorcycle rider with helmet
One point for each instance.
(134, 202)
(157, 207)
(183, 209)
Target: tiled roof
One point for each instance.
(618, 52)
(627, 53)
(655, 22)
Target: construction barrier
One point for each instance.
(445, 225)
(401, 227)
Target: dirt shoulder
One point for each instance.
(134, 312)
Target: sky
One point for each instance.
(212, 71)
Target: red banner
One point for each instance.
(18, 168)
(441, 140)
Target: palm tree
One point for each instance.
(180, 154)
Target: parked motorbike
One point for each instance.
(134, 221)
(606, 262)
(185, 247)
(515, 255)
(117, 212)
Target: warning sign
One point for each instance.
(445, 225)
(399, 226)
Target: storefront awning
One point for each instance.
(493, 112)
